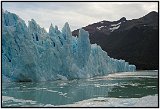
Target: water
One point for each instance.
(128, 85)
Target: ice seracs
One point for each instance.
(32, 54)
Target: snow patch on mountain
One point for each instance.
(114, 28)
(99, 28)
(116, 24)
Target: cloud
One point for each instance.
(78, 14)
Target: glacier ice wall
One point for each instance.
(32, 54)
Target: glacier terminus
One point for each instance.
(29, 53)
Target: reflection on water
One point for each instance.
(68, 92)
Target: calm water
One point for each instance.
(122, 85)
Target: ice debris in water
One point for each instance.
(32, 54)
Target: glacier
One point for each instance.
(30, 54)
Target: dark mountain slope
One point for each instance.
(136, 41)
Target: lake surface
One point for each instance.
(110, 91)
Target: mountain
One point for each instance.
(30, 54)
(136, 40)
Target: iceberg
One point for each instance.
(29, 53)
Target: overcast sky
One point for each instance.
(78, 14)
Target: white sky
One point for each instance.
(78, 14)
